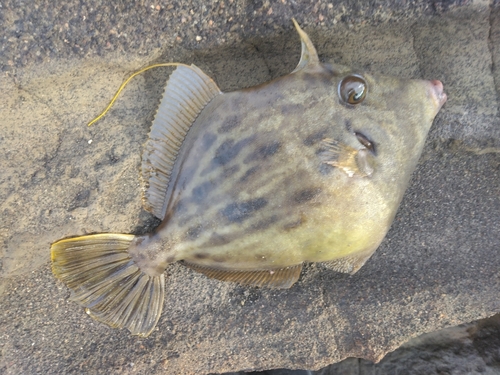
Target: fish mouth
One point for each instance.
(437, 93)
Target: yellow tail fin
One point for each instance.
(106, 281)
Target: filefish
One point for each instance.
(251, 184)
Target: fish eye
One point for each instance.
(369, 145)
(352, 89)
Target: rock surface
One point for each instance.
(60, 64)
(472, 349)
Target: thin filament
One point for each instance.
(126, 82)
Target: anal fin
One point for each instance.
(281, 278)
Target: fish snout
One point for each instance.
(437, 93)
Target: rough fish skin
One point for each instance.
(253, 191)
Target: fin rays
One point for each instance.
(282, 278)
(353, 162)
(105, 280)
(349, 264)
(188, 91)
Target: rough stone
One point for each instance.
(471, 348)
(60, 64)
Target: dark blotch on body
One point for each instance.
(348, 125)
(240, 211)
(314, 138)
(263, 152)
(216, 239)
(186, 219)
(201, 192)
(201, 255)
(326, 169)
(228, 150)
(193, 233)
(229, 171)
(180, 206)
(265, 223)
(305, 195)
(208, 140)
(229, 123)
(293, 224)
(248, 173)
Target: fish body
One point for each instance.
(253, 190)
(310, 167)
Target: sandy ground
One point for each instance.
(438, 266)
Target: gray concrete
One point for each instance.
(61, 63)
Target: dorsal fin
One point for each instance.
(188, 91)
(281, 278)
(308, 57)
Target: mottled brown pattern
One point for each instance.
(263, 152)
(348, 125)
(241, 211)
(257, 185)
(265, 223)
(293, 224)
(229, 150)
(229, 124)
(315, 137)
(249, 172)
(193, 232)
(202, 191)
(208, 140)
(305, 195)
(230, 171)
(202, 255)
(216, 240)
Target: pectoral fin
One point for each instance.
(353, 162)
(281, 278)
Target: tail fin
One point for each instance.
(105, 280)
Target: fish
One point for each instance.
(249, 185)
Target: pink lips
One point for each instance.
(437, 92)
